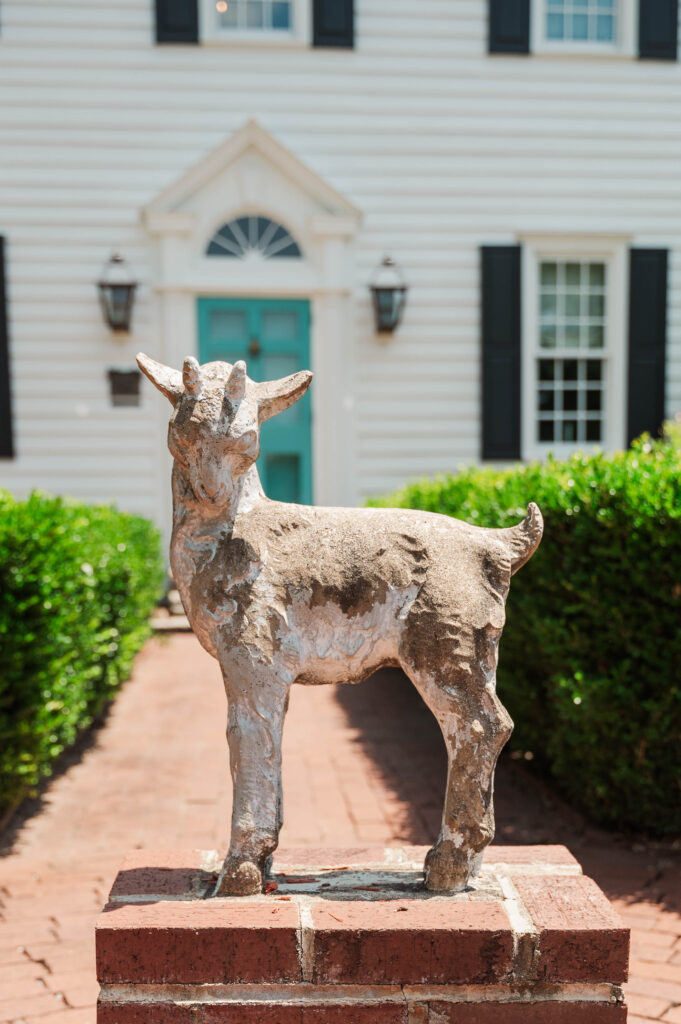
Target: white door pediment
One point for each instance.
(250, 173)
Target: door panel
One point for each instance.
(279, 326)
(227, 327)
(283, 476)
(272, 336)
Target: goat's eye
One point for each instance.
(243, 443)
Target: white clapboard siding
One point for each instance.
(442, 147)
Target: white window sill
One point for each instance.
(579, 50)
(541, 452)
(251, 40)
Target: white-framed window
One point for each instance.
(583, 27)
(573, 345)
(278, 22)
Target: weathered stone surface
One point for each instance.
(282, 593)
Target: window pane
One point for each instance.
(547, 401)
(227, 13)
(593, 369)
(596, 305)
(570, 369)
(596, 336)
(593, 400)
(548, 303)
(572, 273)
(570, 400)
(569, 430)
(572, 335)
(548, 273)
(255, 15)
(281, 15)
(547, 369)
(554, 26)
(546, 430)
(548, 337)
(596, 274)
(593, 430)
(605, 28)
(580, 26)
(572, 304)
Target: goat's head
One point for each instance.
(214, 431)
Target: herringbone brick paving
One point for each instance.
(362, 765)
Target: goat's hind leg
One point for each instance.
(475, 727)
(257, 705)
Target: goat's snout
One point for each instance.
(211, 493)
(208, 481)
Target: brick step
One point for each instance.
(349, 935)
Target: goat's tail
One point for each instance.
(524, 538)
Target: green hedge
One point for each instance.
(77, 585)
(590, 665)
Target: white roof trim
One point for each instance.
(250, 136)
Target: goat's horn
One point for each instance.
(524, 538)
(167, 380)
(191, 377)
(236, 382)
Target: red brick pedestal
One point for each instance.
(352, 937)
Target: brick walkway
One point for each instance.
(362, 764)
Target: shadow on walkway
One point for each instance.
(398, 733)
(14, 821)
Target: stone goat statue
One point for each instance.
(282, 593)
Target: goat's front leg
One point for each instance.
(257, 706)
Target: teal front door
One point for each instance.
(273, 337)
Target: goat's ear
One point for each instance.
(167, 380)
(276, 395)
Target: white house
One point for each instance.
(254, 160)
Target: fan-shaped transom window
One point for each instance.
(246, 235)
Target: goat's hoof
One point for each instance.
(239, 878)
(447, 869)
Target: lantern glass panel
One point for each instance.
(388, 305)
(117, 304)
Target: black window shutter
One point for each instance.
(501, 351)
(658, 26)
(334, 23)
(509, 26)
(177, 21)
(647, 340)
(6, 437)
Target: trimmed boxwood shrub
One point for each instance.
(77, 585)
(590, 663)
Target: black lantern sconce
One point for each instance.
(389, 293)
(117, 293)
